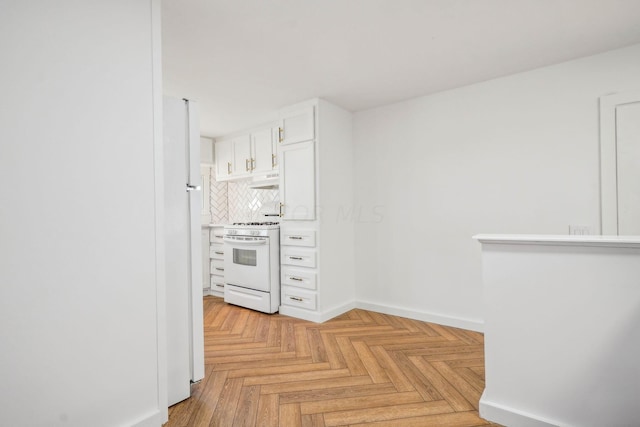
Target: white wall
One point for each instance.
(517, 154)
(570, 359)
(78, 317)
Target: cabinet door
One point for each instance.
(297, 181)
(297, 126)
(274, 147)
(242, 156)
(262, 151)
(224, 160)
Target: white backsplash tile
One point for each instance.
(236, 202)
(218, 200)
(245, 203)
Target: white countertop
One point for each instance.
(211, 225)
(559, 239)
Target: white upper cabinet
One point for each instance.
(247, 155)
(298, 181)
(297, 125)
(242, 155)
(224, 160)
(263, 157)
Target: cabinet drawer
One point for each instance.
(298, 238)
(298, 298)
(216, 251)
(216, 234)
(217, 283)
(300, 278)
(298, 256)
(217, 266)
(248, 298)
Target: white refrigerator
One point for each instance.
(182, 192)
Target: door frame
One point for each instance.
(608, 159)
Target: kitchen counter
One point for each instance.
(562, 330)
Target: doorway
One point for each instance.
(620, 164)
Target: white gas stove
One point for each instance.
(252, 265)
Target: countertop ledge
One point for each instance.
(560, 240)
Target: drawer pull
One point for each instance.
(220, 286)
(296, 299)
(297, 258)
(219, 269)
(295, 238)
(219, 253)
(218, 236)
(297, 279)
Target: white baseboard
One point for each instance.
(317, 317)
(337, 311)
(425, 316)
(300, 313)
(151, 420)
(511, 417)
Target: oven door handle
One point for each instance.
(256, 242)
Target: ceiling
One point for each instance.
(243, 59)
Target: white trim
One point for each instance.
(152, 420)
(314, 316)
(299, 313)
(441, 319)
(507, 416)
(608, 159)
(337, 311)
(158, 146)
(425, 316)
(560, 240)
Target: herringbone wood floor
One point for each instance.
(361, 368)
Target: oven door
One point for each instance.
(246, 262)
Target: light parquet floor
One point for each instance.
(361, 368)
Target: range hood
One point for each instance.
(269, 182)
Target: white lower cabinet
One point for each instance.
(298, 238)
(300, 298)
(298, 268)
(206, 284)
(301, 257)
(216, 261)
(302, 278)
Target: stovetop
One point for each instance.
(264, 225)
(256, 223)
